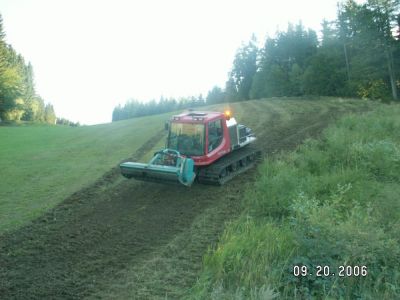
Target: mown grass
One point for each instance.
(42, 165)
(333, 202)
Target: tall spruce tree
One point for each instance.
(244, 68)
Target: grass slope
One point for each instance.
(333, 202)
(42, 165)
(108, 237)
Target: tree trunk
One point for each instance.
(389, 57)
(347, 62)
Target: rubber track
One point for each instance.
(211, 174)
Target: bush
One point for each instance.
(374, 90)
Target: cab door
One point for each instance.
(215, 135)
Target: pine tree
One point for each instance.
(244, 68)
(49, 114)
(216, 95)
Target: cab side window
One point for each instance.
(215, 134)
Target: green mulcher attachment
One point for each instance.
(166, 166)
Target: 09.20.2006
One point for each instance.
(327, 271)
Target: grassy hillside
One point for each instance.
(72, 227)
(42, 165)
(332, 203)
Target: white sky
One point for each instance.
(90, 55)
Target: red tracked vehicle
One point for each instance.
(208, 146)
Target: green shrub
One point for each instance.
(375, 90)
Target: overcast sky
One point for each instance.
(89, 55)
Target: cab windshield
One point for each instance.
(187, 138)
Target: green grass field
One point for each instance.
(42, 165)
(102, 236)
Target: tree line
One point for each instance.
(134, 108)
(18, 98)
(357, 55)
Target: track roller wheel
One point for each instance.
(235, 166)
(223, 173)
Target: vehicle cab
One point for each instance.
(202, 136)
